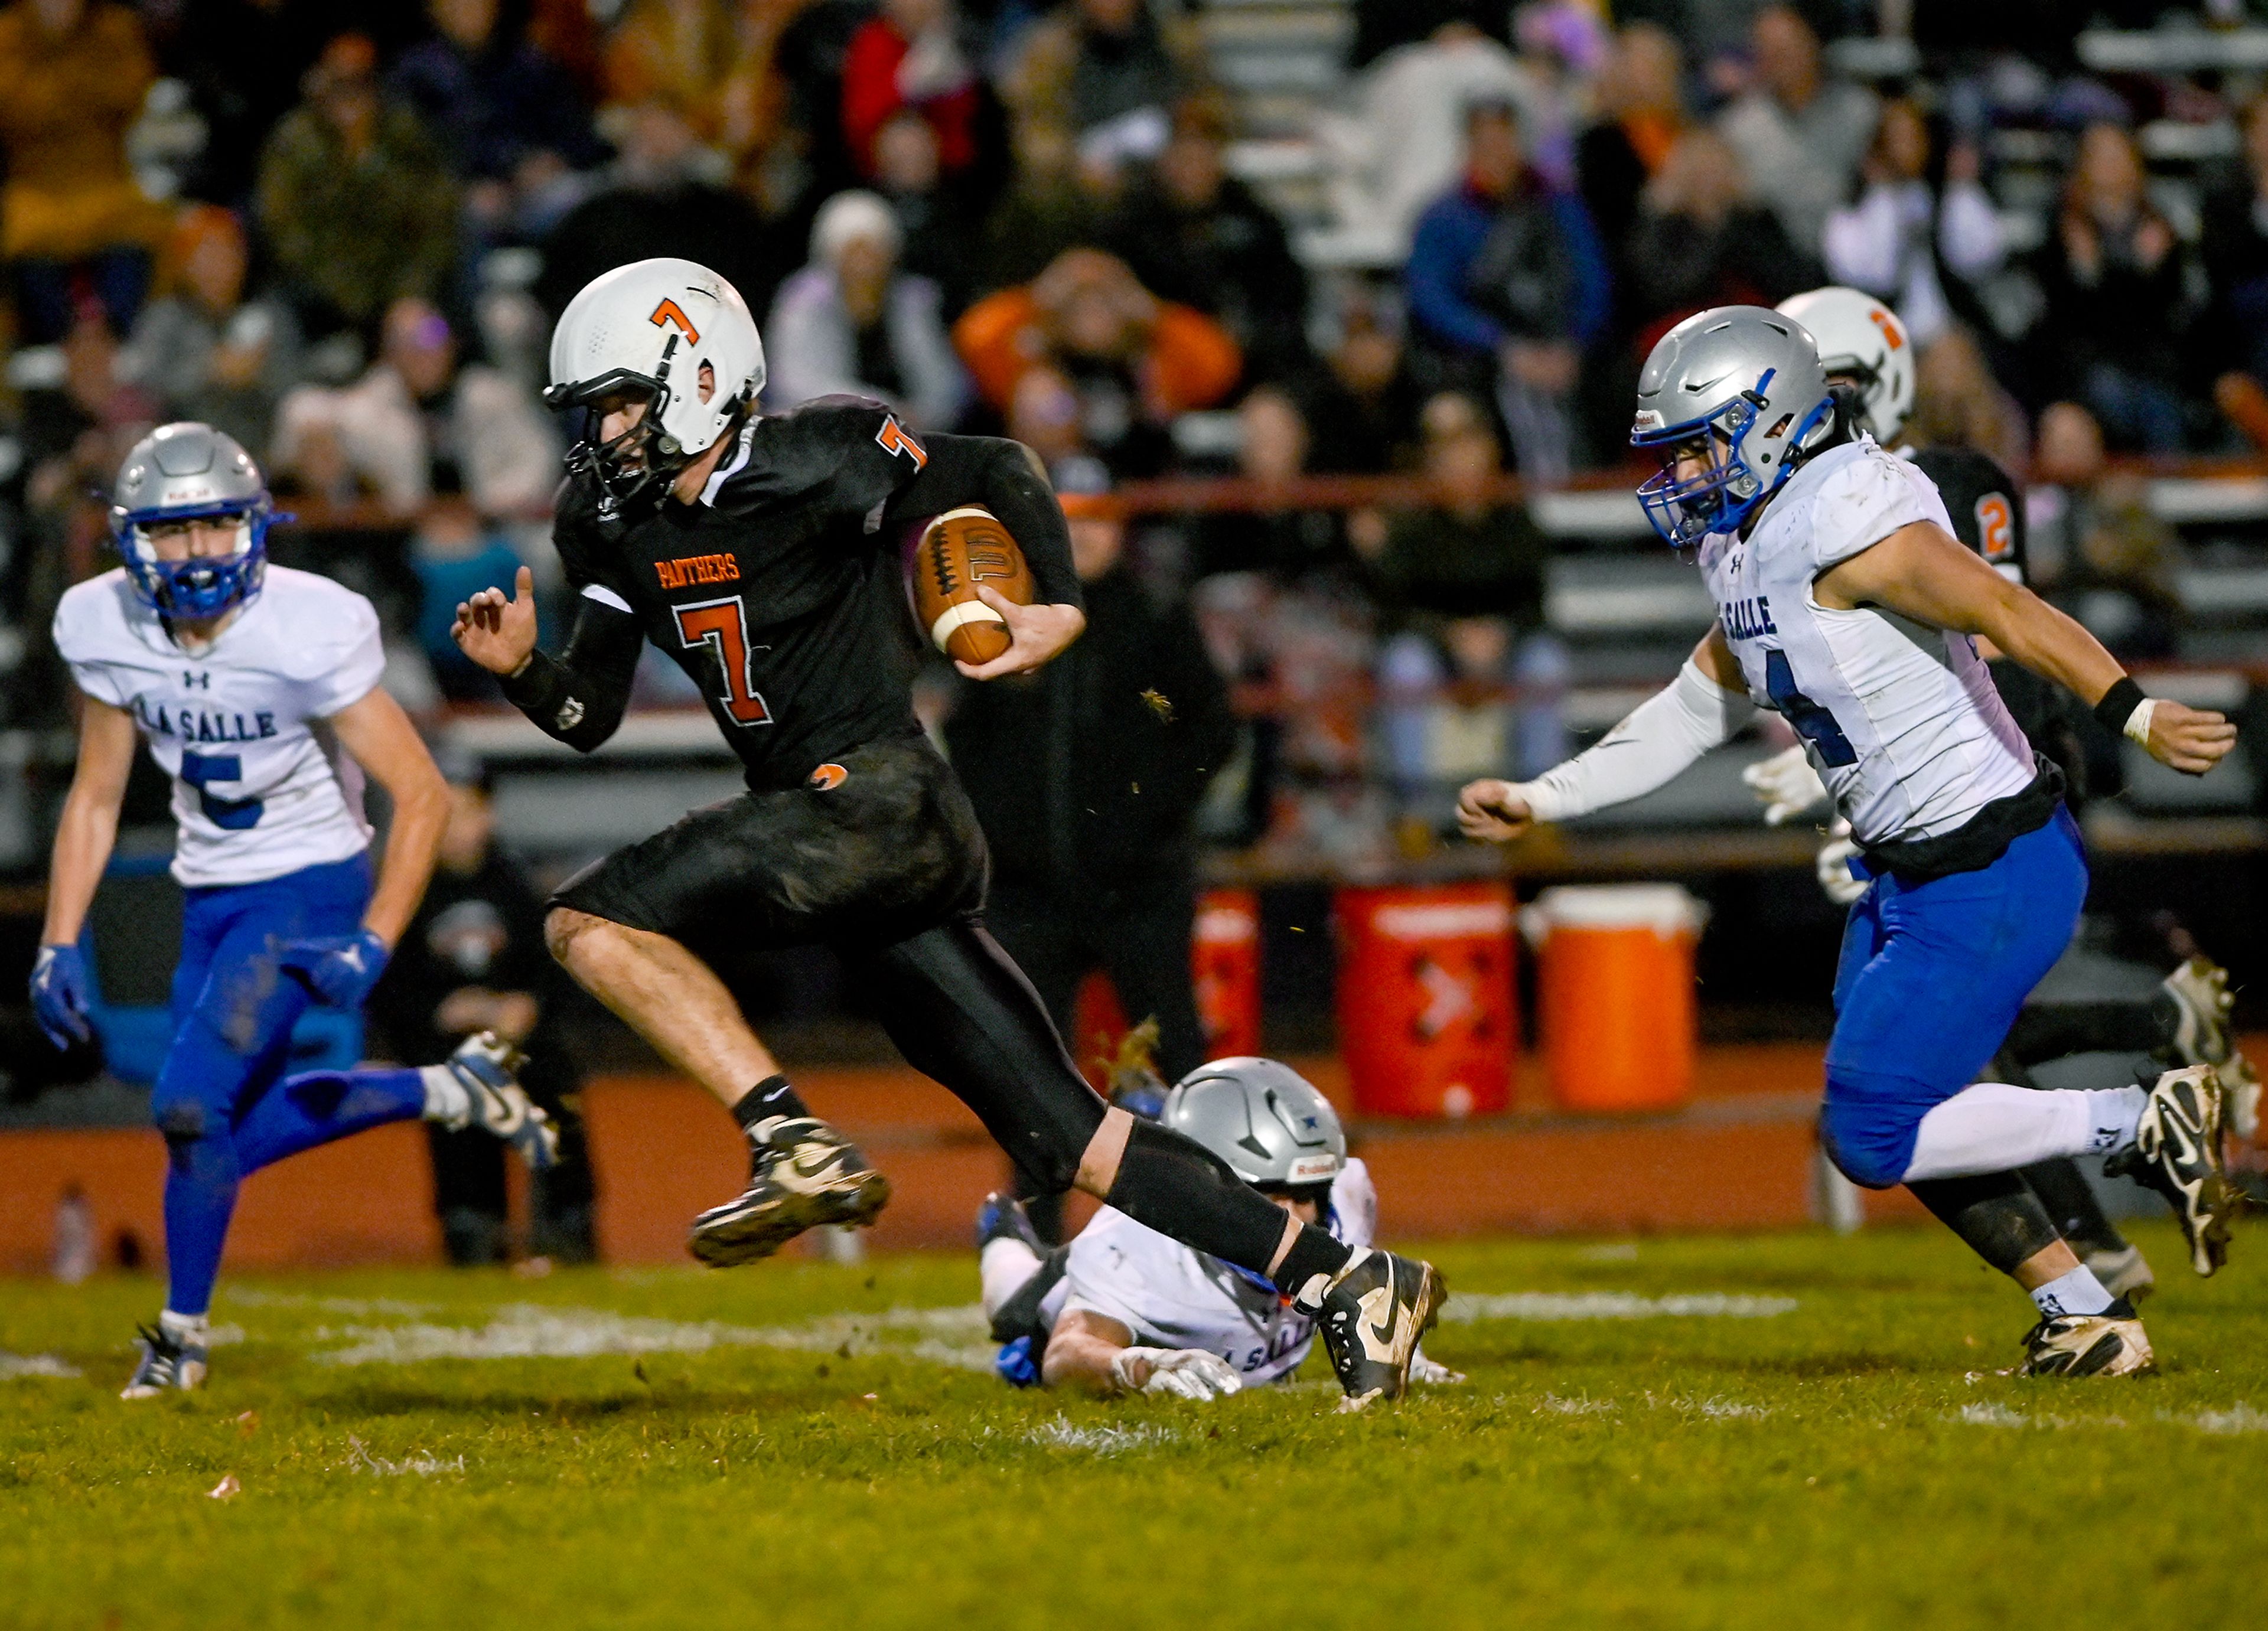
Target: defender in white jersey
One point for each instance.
(1867, 357)
(1846, 603)
(1124, 1308)
(256, 688)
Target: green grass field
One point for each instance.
(1817, 1435)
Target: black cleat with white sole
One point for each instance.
(803, 1174)
(2177, 1152)
(1372, 1313)
(489, 1067)
(2111, 1343)
(169, 1364)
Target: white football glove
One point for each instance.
(1178, 1372)
(1785, 785)
(1432, 1372)
(1834, 875)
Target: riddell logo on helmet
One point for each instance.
(669, 311)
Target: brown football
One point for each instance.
(959, 551)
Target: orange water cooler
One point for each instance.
(1614, 1000)
(1426, 1020)
(1225, 959)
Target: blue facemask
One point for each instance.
(1723, 496)
(204, 585)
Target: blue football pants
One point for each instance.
(1931, 976)
(221, 1099)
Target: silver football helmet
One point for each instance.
(1740, 387)
(1264, 1118)
(190, 472)
(1861, 340)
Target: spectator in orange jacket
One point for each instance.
(72, 78)
(1136, 361)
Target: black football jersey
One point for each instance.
(1987, 512)
(779, 593)
(1986, 506)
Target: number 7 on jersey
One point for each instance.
(723, 627)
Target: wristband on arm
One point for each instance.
(2125, 711)
(540, 691)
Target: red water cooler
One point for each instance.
(1427, 1024)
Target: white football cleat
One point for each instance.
(2241, 1083)
(488, 1066)
(2177, 1152)
(2200, 989)
(2111, 1343)
(169, 1364)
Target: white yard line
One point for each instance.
(1563, 1305)
(1103, 1440)
(15, 1365)
(947, 1336)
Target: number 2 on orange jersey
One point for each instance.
(723, 626)
(1996, 526)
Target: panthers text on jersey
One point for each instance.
(1901, 721)
(1171, 1296)
(260, 787)
(779, 593)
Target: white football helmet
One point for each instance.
(1861, 339)
(650, 326)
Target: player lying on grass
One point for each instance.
(1846, 605)
(761, 554)
(1868, 361)
(1122, 1308)
(256, 687)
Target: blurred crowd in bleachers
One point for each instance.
(1256, 238)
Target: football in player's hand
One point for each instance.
(960, 552)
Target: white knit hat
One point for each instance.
(845, 218)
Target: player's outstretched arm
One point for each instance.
(1094, 1351)
(83, 839)
(386, 744)
(1923, 572)
(579, 697)
(1702, 709)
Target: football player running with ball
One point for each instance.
(1846, 605)
(761, 554)
(1122, 1308)
(256, 687)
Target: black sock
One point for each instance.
(2072, 1205)
(1996, 1212)
(1314, 1252)
(769, 1097)
(1180, 1188)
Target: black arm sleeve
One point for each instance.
(579, 696)
(1004, 477)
